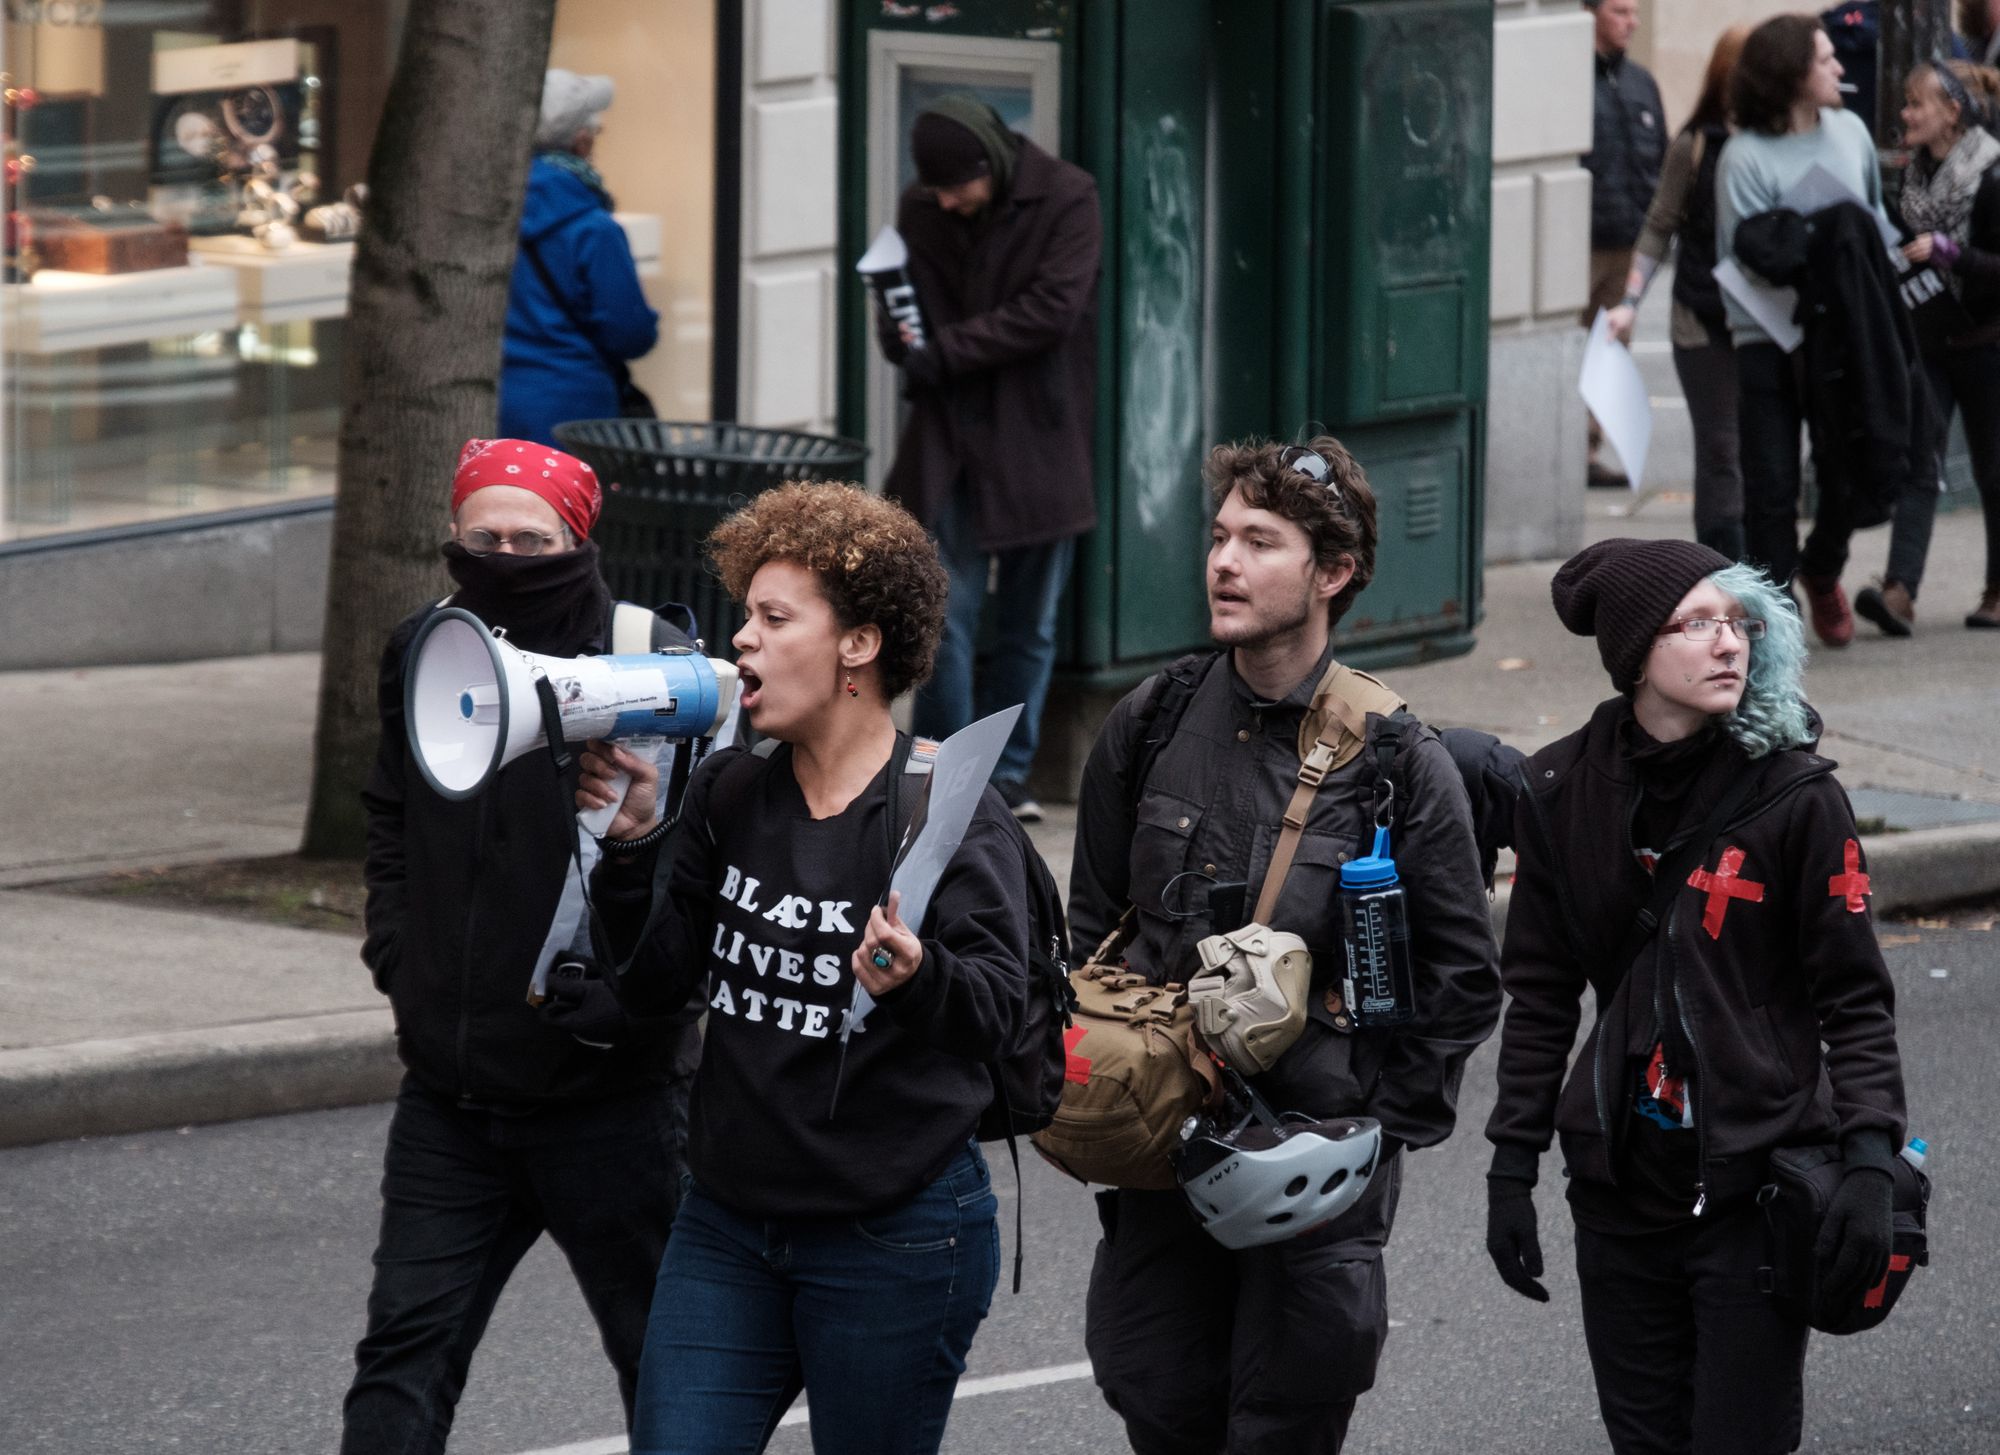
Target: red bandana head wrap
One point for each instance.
(569, 485)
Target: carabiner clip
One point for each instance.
(1385, 805)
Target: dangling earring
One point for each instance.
(852, 690)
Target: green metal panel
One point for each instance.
(1244, 299)
(1424, 523)
(1405, 146)
(1162, 511)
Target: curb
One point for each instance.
(1905, 871)
(223, 1073)
(309, 1063)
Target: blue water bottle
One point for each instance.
(1375, 923)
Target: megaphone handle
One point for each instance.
(596, 820)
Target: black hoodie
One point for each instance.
(461, 893)
(1752, 976)
(764, 906)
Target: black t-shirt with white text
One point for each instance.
(764, 908)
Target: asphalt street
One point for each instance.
(201, 1291)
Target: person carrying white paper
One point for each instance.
(1785, 99)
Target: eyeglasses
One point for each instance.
(1706, 628)
(1309, 464)
(521, 542)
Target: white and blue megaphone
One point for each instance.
(470, 703)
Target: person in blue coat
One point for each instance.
(575, 310)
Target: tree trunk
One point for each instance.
(445, 186)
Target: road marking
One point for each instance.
(967, 1389)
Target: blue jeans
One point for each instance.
(871, 1316)
(1031, 582)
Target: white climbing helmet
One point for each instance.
(1256, 1183)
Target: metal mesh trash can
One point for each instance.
(668, 483)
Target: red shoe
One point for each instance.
(1832, 622)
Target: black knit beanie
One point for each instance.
(1622, 592)
(946, 152)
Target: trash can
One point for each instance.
(668, 483)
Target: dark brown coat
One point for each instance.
(1011, 303)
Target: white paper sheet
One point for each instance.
(1611, 385)
(886, 254)
(957, 781)
(1771, 307)
(1819, 189)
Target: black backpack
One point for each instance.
(1028, 1077)
(1489, 768)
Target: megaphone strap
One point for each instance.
(552, 724)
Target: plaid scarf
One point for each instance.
(1937, 195)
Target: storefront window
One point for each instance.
(179, 228)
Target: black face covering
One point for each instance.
(555, 604)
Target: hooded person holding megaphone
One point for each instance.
(512, 1119)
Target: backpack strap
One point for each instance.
(1338, 718)
(1161, 713)
(923, 754)
(621, 373)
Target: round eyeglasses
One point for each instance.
(521, 542)
(1706, 628)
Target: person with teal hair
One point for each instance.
(1688, 856)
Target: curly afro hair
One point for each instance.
(1338, 513)
(873, 560)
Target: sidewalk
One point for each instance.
(122, 1017)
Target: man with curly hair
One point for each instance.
(995, 457)
(1263, 1350)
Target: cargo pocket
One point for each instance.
(1163, 832)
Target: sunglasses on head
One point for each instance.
(1310, 464)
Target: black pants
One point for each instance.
(1260, 1352)
(1688, 1354)
(1967, 380)
(1708, 384)
(465, 1194)
(1771, 410)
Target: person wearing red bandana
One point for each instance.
(512, 1120)
(1688, 857)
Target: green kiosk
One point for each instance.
(1295, 198)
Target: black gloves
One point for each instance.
(1511, 1240)
(1854, 1240)
(583, 1001)
(1510, 1236)
(924, 368)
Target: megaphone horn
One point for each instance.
(469, 699)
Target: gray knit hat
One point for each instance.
(1622, 592)
(570, 103)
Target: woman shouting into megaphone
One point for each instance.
(850, 1252)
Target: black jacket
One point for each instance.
(1867, 404)
(1979, 265)
(1628, 140)
(763, 907)
(1695, 288)
(460, 899)
(1754, 983)
(1211, 808)
(1012, 306)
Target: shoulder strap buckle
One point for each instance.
(1314, 767)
